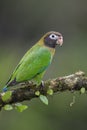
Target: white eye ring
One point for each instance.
(53, 36)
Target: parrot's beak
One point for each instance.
(60, 40)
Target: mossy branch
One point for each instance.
(73, 82)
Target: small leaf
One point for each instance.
(20, 107)
(37, 93)
(82, 90)
(50, 92)
(6, 96)
(8, 107)
(44, 99)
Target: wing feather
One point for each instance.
(35, 61)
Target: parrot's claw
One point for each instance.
(42, 85)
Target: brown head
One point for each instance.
(52, 38)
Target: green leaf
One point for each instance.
(20, 107)
(37, 93)
(44, 99)
(82, 90)
(8, 107)
(6, 96)
(50, 92)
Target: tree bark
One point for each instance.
(73, 82)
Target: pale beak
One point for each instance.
(60, 40)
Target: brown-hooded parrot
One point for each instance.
(35, 62)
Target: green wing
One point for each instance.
(34, 62)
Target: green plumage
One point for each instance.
(35, 62)
(32, 65)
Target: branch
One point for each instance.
(73, 82)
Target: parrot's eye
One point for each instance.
(53, 37)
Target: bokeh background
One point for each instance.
(22, 23)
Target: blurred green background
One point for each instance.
(22, 23)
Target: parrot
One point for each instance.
(36, 60)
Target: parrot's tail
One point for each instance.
(5, 89)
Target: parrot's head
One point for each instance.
(51, 39)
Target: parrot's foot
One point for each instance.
(42, 85)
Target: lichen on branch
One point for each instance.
(73, 82)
